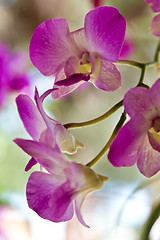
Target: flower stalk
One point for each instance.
(106, 147)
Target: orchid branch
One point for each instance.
(95, 120)
(113, 136)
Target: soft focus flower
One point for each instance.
(51, 194)
(97, 3)
(43, 128)
(13, 72)
(155, 26)
(155, 5)
(86, 54)
(127, 48)
(139, 139)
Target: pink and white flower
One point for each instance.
(139, 140)
(83, 55)
(52, 194)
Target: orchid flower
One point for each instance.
(83, 55)
(155, 26)
(12, 78)
(155, 5)
(51, 194)
(139, 139)
(43, 128)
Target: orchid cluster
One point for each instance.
(89, 55)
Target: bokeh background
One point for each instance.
(121, 208)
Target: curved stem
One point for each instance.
(131, 63)
(95, 120)
(157, 54)
(105, 148)
(141, 76)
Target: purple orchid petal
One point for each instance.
(104, 30)
(73, 79)
(155, 5)
(62, 90)
(49, 158)
(137, 101)
(148, 159)
(78, 204)
(124, 149)
(109, 78)
(42, 188)
(31, 118)
(155, 26)
(30, 164)
(51, 46)
(154, 95)
(80, 40)
(62, 199)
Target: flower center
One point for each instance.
(156, 125)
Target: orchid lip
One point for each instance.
(73, 79)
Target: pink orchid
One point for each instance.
(12, 78)
(139, 139)
(155, 5)
(51, 194)
(83, 55)
(43, 128)
(155, 26)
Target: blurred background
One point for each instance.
(121, 209)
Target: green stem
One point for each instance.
(95, 120)
(150, 222)
(131, 63)
(141, 76)
(157, 54)
(105, 148)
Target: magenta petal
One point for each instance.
(124, 149)
(73, 79)
(109, 78)
(138, 101)
(31, 118)
(148, 159)
(104, 30)
(41, 189)
(155, 96)
(49, 158)
(155, 26)
(155, 5)
(30, 164)
(51, 46)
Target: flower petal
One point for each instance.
(51, 46)
(30, 164)
(148, 159)
(62, 90)
(31, 118)
(154, 139)
(66, 141)
(124, 149)
(49, 158)
(41, 189)
(109, 78)
(104, 30)
(138, 101)
(155, 26)
(155, 5)
(79, 38)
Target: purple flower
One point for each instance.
(51, 194)
(155, 5)
(155, 26)
(127, 48)
(83, 55)
(43, 128)
(139, 139)
(13, 75)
